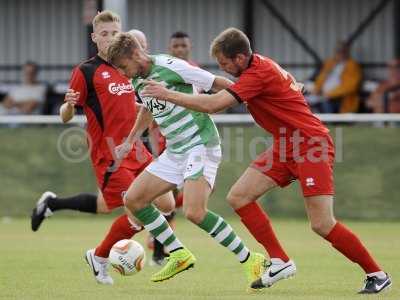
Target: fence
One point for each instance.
(366, 172)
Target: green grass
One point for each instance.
(49, 264)
(367, 181)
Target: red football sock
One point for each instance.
(179, 200)
(347, 243)
(259, 225)
(120, 229)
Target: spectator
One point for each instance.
(180, 46)
(27, 97)
(375, 101)
(337, 84)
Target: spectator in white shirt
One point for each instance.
(26, 98)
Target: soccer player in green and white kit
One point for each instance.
(191, 158)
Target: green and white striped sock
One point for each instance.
(155, 223)
(223, 233)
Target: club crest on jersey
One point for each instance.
(120, 88)
(105, 74)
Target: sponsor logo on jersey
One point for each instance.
(120, 88)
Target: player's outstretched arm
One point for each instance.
(67, 110)
(220, 83)
(204, 103)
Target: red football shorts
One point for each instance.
(114, 184)
(313, 167)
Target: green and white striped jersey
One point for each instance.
(182, 127)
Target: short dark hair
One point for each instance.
(179, 35)
(230, 43)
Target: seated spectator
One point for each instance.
(27, 97)
(337, 85)
(375, 101)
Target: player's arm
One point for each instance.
(143, 120)
(198, 77)
(220, 83)
(75, 96)
(67, 110)
(203, 103)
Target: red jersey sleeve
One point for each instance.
(78, 84)
(249, 86)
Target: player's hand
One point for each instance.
(155, 89)
(121, 151)
(72, 97)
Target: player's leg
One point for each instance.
(199, 172)
(49, 203)
(123, 227)
(155, 143)
(265, 173)
(102, 207)
(166, 204)
(322, 220)
(196, 194)
(138, 200)
(315, 174)
(242, 197)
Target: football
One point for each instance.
(127, 257)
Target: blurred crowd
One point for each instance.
(339, 86)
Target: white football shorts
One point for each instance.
(196, 162)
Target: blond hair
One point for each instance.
(230, 43)
(106, 16)
(122, 47)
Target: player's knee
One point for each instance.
(103, 210)
(194, 215)
(133, 203)
(236, 199)
(322, 227)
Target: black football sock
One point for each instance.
(82, 202)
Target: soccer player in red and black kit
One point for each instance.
(302, 150)
(108, 100)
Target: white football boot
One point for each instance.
(276, 271)
(99, 269)
(41, 210)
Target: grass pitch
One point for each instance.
(49, 264)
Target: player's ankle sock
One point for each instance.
(223, 233)
(259, 225)
(346, 242)
(82, 202)
(157, 225)
(122, 228)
